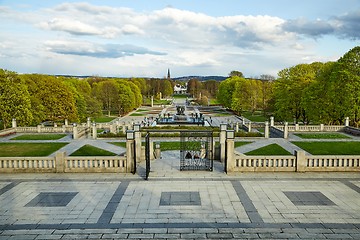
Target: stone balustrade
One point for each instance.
(62, 163)
(7, 132)
(297, 163)
(96, 164)
(27, 164)
(265, 164)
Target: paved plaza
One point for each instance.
(175, 204)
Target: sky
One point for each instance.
(145, 38)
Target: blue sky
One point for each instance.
(133, 38)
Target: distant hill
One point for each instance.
(201, 78)
(185, 78)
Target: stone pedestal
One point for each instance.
(13, 123)
(60, 162)
(88, 122)
(286, 130)
(230, 151)
(138, 146)
(130, 156)
(249, 127)
(300, 161)
(222, 139)
(157, 151)
(75, 132)
(267, 130)
(94, 131)
(272, 122)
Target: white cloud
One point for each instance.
(128, 41)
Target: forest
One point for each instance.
(317, 92)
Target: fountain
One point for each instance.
(181, 117)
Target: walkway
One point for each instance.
(180, 205)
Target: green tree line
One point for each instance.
(35, 98)
(317, 92)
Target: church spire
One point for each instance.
(168, 74)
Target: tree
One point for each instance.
(14, 99)
(125, 100)
(226, 89)
(236, 74)
(194, 87)
(290, 90)
(267, 91)
(107, 92)
(166, 88)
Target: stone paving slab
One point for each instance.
(243, 207)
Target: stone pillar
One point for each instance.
(286, 130)
(321, 127)
(243, 121)
(222, 139)
(88, 122)
(75, 132)
(39, 128)
(267, 130)
(112, 128)
(13, 123)
(230, 151)
(157, 150)
(66, 122)
(137, 142)
(237, 127)
(152, 153)
(94, 131)
(272, 124)
(152, 101)
(249, 127)
(55, 125)
(347, 122)
(300, 161)
(130, 135)
(60, 163)
(124, 128)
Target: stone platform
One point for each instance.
(185, 205)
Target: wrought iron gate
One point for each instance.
(147, 155)
(196, 150)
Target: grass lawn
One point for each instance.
(104, 119)
(29, 149)
(257, 117)
(330, 148)
(321, 135)
(39, 137)
(271, 150)
(166, 146)
(120, 144)
(142, 110)
(239, 144)
(137, 114)
(88, 150)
